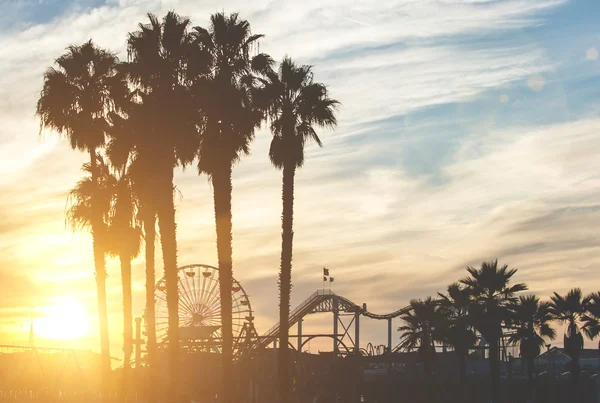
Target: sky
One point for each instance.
(469, 131)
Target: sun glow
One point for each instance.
(65, 320)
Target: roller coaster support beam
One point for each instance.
(300, 335)
(389, 335)
(335, 324)
(356, 332)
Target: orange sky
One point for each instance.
(459, 141)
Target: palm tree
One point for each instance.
(75, 100)
(121, 151)
(531, 328)
(294, 105)
(420, 322)
(165, 136)
(224, 96)
(492, 294)
(124, 242)
(571, 309)
(455, 329)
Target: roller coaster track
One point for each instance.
(324, 301)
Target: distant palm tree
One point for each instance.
(224, 96)
(294, 105)
(165, 136)
(456, 329)
(571, 309)
(75, 101)
(492, 295)
(530, 321)
(419, 330)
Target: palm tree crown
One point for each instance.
(572, 309)
(455, 329)
(294, 105)
(163, 119)
(418, 329)
(78, 95)
(492, 293)
(85, 193)
(224, 91)
(531, 322)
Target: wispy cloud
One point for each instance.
(518, 192)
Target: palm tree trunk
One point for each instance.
(221, 180)
(127, 320)
(100, 267)
(285, 279)
(168, 240)
(494, 369)
(149, 316)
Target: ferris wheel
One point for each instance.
(200, 309)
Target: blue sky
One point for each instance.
(469, 131)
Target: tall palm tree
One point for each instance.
(224, 96)
(455, 329)
(419, 330)
(492, 295)
(531, 329)
(75, 101)
(166, 136)
(294, 105)
(572, 309)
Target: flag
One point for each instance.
(325, 272)
(331, 279)
(324, 278)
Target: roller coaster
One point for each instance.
(328, 301)
(200, 322)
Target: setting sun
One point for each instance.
(65, 320)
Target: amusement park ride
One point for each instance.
(200, 321)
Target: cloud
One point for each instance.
(517, 192)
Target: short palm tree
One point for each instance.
(231, 118)
(572, 310)
(419, 330)
(76, 98)
(124, 242)
(455, 329)
(165, 122)
(530, 323)
(123, 153)
(294, 104)
(492, 295)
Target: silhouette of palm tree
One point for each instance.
(123, 152)
(530, 320)
(124, 237)
(572, 310)
(165, 136)
(294, 104)
(75, 101)
(224, 95)
(456, 329)
(492, 294)
(419, 330)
